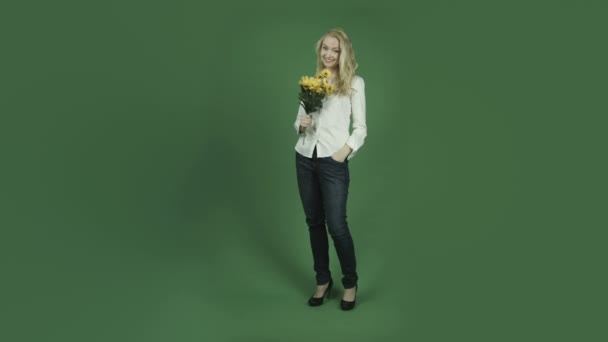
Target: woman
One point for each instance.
(323, 152)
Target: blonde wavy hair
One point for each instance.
(346, 62)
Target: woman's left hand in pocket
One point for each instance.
(341, 154)
(337, 157)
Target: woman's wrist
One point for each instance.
(347, 150)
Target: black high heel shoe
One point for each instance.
(314, 301)
(346, 305)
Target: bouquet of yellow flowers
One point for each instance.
(313, 90)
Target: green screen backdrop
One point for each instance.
(148, 187)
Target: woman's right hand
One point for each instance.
(306, 121)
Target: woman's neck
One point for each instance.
(334, 76)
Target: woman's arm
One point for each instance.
(308, 121)
(357, 137)
(296, 124)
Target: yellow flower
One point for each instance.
(323, 74)
(317, 84)
(304, 81)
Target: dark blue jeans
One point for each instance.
(323, 185)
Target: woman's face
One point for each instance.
(330, 52)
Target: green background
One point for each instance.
(148, 188)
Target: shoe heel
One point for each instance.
(349, 305)
(314, 301)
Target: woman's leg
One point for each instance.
(334, 178)
(312, 201)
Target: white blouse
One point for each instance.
(330, 126)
